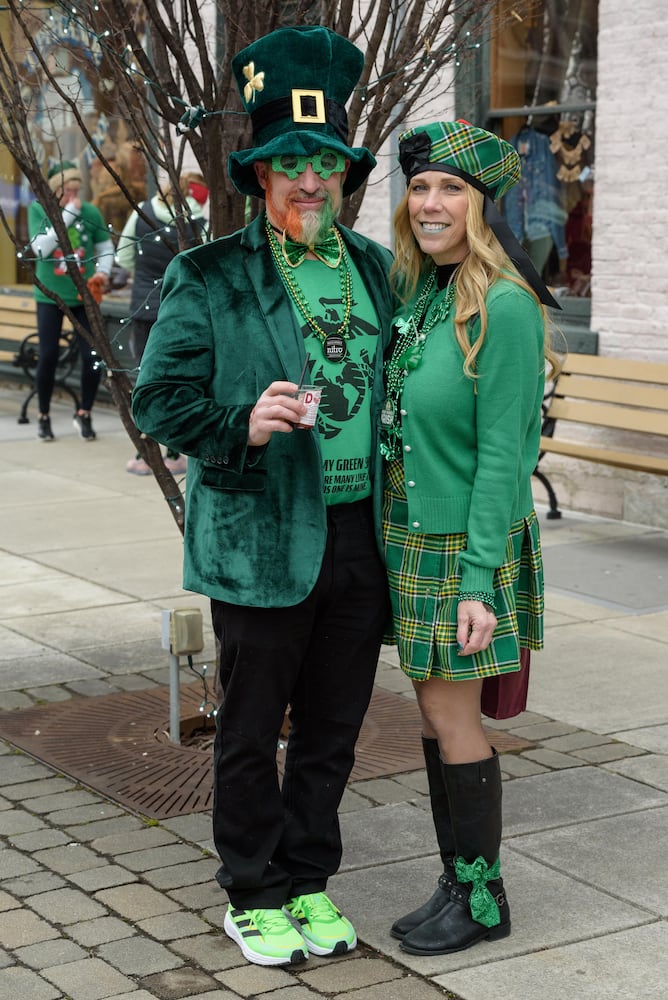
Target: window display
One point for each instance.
(542, 99)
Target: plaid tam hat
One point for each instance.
(482, 158)
(486, 162)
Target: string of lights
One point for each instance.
(208, 706)
(74, 23)
(194, 115)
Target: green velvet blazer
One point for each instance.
(255, 524)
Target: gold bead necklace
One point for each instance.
(333, 343)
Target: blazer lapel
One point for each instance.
(273, 300)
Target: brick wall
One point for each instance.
(630, 266)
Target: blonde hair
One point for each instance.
(485, 263)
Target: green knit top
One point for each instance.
(469, 447)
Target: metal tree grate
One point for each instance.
(117, 745)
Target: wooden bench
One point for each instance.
(614, 393)
(19, 343)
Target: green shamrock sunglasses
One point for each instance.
(325, 163)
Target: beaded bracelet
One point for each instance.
(479, 595)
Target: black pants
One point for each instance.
(319, 657)
(49, 326)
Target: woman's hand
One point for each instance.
(275, 410)
(475, 627)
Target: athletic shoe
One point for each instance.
(44, 429)
(266, 937)
(177, 466)
(138, 467)
(84, 424)
(323, 927)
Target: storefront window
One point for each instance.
(542, 99)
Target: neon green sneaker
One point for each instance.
(266, 937)
(324, 928)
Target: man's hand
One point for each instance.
(275, 410)
(475, 626)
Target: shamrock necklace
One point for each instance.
(333, 344)
(407, 355)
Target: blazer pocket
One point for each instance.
(250, 481)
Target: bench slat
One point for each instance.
(608, 391)
(16, 332)
(605, 456)
(621, 368)
(18, 315)
(14, 303)
(15, 329)
(607, 415)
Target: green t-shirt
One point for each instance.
(84, 233)
(344, 415)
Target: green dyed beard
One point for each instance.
(303, 227)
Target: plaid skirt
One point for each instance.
(425, 580)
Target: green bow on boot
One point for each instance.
(484, 908)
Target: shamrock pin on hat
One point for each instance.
(488, 163)
(294, 84)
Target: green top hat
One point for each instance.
(294, 84)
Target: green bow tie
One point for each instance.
(329, 251)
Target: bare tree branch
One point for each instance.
(161, 75)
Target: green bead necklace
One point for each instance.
(407, 354)
(333, 344)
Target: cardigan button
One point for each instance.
(416, 524)
(403, 413)
(410, 483)
(407, 447)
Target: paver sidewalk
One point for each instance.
(96, 902)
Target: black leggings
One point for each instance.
(49, 326)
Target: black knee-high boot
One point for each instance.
(440, 811)
(478, 907)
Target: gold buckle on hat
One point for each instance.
(298, 115)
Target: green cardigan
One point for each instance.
(469, 448)
(255, 525)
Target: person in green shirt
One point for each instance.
(94, 253)
(279, 524)
(460, 434)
